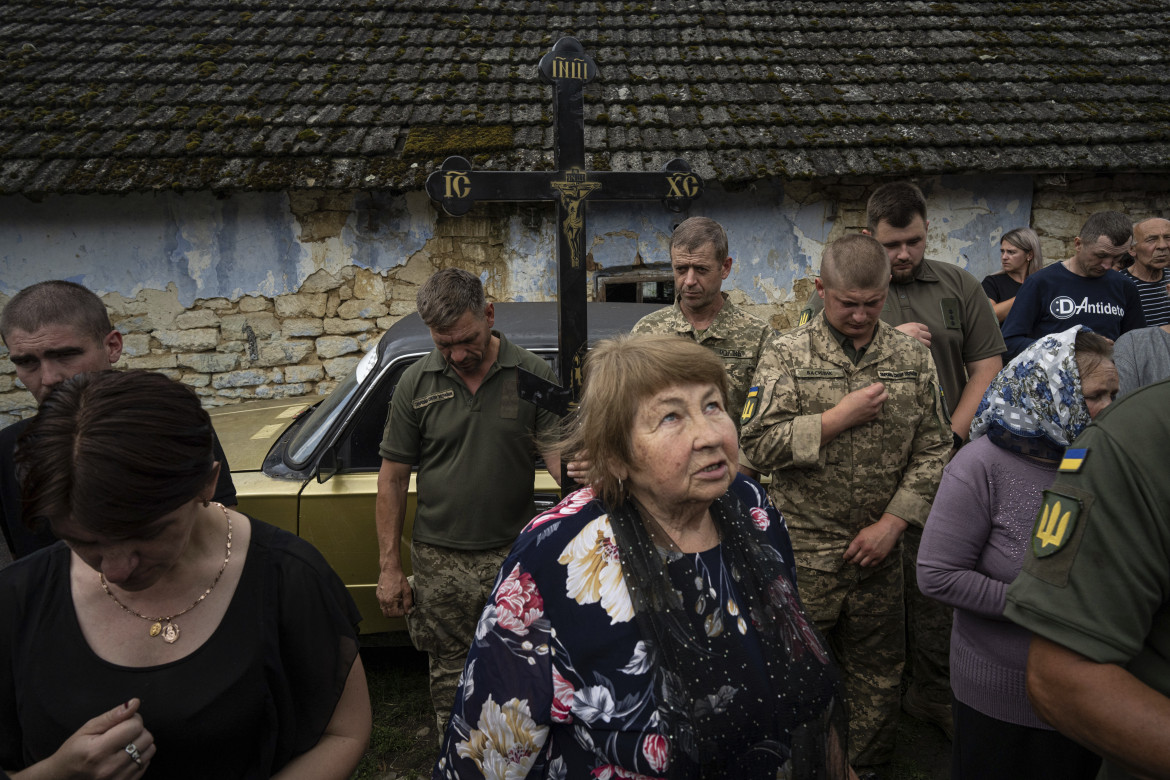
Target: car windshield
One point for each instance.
(322, 420)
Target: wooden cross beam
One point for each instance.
(457, 188)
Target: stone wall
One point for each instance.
(251, 348)
(256, 347)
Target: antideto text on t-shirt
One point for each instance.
(1063, 307)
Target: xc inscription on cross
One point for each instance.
(456, 187)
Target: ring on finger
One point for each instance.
(132, 751)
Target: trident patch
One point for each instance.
(749, 404)
(1054, 523)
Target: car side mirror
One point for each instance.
(327, 466)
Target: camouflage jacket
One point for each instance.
(735, 336)
(892, 464)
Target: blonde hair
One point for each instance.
(620, 373)
(1026, 240)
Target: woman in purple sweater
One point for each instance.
(976, 539)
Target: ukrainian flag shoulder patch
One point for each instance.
(749, 404)
(1073, 460)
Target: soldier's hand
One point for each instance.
(874, 543)
(864, 405)
(918, 330)
(394, 594)
(578, 468)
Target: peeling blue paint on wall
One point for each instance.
(530, 253)
(768, 237)
(249, 244)
(204, 246)
(969, 214)
(385, 230)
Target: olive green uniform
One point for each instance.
(735, 336)
(475, 454)
(829, 493)
(1097, 581)
(963, 329)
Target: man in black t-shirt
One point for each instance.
(1083, 290)
(55, 330)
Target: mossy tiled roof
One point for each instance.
(132, 95)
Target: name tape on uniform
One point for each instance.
(427, 400)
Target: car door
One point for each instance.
(337, 514)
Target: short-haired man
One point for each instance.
(1082, 290)
(944, 307)
(848, 423)
(701, 310)
(458, 414)
(1094, 592)
(55, 330)
(1151, 255)
(939, 303)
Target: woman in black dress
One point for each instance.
(1019, 251)
(165, 636)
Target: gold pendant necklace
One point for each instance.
(170, 631)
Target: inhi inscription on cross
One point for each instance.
(456, 187)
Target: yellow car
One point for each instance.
(311, 466)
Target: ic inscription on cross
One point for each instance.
(457, 188)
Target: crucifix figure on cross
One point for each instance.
(456, 187)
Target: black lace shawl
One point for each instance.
(806, 739)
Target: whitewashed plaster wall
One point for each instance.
(266, 255)
(254, 244)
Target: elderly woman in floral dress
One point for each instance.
(649, 625)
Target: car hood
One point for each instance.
(248, 431)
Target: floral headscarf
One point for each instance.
(1035, 405)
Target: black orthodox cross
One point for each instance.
(457, 188)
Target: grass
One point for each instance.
(403, 744)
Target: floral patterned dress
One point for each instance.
(559, 683)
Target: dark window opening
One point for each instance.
(646, 285)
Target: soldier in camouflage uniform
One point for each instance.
(845, 416)
(943, 306)
(456, 413)
(702, 313)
